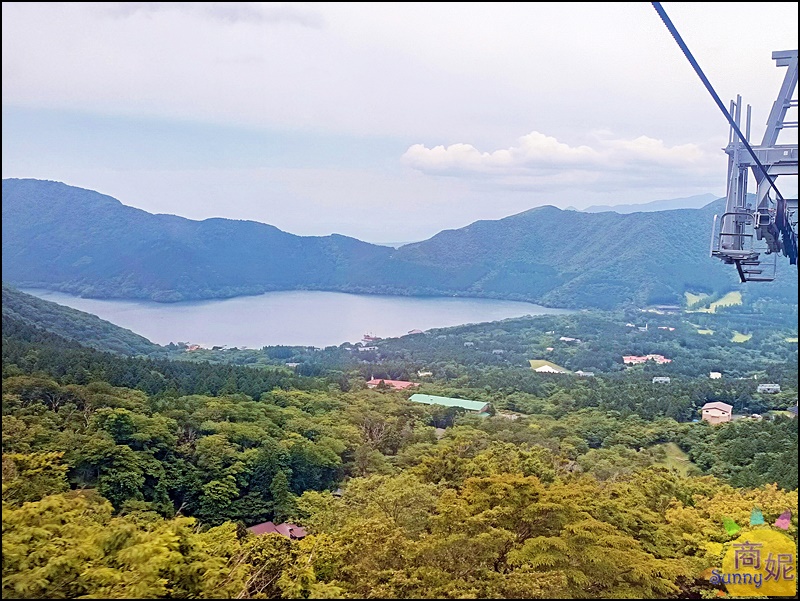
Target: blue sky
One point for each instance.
(384, 121)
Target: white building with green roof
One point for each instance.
(428, 399)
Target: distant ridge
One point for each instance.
(689, 202)
(78, 241)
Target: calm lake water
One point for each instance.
(295, 318)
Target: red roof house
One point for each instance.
(396, 384)
(291, 531)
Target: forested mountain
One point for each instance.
(569, 258)
(72, 324)
(74, 240)
(61, 237)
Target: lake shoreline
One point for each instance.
(293, 318)
(175, 298)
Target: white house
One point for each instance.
(717, 412)
(715, 375)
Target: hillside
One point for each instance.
(73, 325)
(78, 241)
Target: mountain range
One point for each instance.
(689, 202)
(79, 241)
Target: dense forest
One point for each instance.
(134, 474)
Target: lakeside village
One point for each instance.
(714, 412)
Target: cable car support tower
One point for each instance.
(764, 223)
(769, 224)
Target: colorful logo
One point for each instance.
(762, 562)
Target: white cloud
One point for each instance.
(228, 12)
(541, 162)
(534, 151)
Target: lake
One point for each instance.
(294, 318)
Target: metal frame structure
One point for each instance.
(768, 224)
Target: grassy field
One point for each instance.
(739, 337)
(730, 299)
(792, 339)
(700, 330)
(540, 362)
(692, 298)
(675, 458)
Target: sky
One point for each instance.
(388, 122)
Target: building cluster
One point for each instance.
(637, 359)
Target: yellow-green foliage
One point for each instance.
(507, 535)
(31, 476)
(69, 545)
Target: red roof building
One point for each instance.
(396, 384)
(291, 531)
(635, 359)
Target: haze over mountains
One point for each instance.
(690, 202)
(79, 241)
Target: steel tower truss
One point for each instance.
(764, 223)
